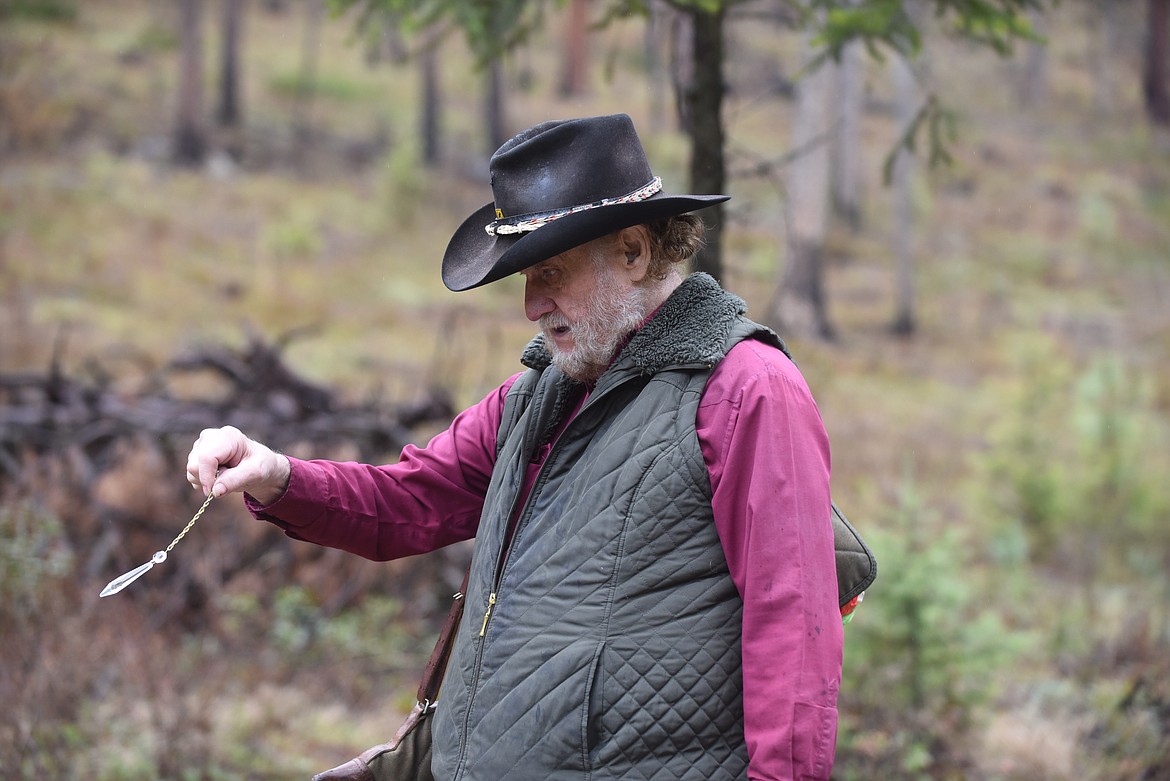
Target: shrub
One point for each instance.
(922, 657)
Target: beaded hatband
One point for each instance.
(530, 222)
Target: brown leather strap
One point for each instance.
(354, 770)
(432, 678)
(359, 768)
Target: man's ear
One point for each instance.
(634, 244)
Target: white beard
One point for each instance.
(611, 313)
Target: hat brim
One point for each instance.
(474, 257)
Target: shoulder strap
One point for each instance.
(856, 564)
(432, 679)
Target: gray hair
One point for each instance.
(673, 240)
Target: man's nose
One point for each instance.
(536, 303)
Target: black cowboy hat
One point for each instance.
(556, 186)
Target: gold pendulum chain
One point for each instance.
(190, 523)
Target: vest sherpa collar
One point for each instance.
(690, 328)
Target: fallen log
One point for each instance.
(264, 397)
(110, 462)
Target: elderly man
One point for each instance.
(652, 593)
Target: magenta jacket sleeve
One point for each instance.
(768, 455)
(430, 498)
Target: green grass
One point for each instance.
(336, 88)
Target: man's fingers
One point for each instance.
(220, 478)
(233, 479)
(214, 453)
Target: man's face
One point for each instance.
(586, 304)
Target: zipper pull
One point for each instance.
(488, 614)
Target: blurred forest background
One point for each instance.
(232, 212)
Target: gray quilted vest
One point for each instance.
(611, 649)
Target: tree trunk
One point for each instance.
(682, 63)
(704, 102)
(846, 149)
(657, 16)
(431, 122)
(493, 106)
(1156, 72)
(906, 98)
(800, 305)
(190, 143)
(388, 43)
(1104, 27)
(575, 62)
(1033, 85)
(229, 114)
(307, 83)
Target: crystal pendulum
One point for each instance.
(122, 581)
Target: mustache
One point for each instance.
(553, 321)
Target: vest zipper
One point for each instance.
(493, 599)
(501, 564)
(541, 479)
(506, 551)
(488, 614)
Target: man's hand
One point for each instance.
(242, 464)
